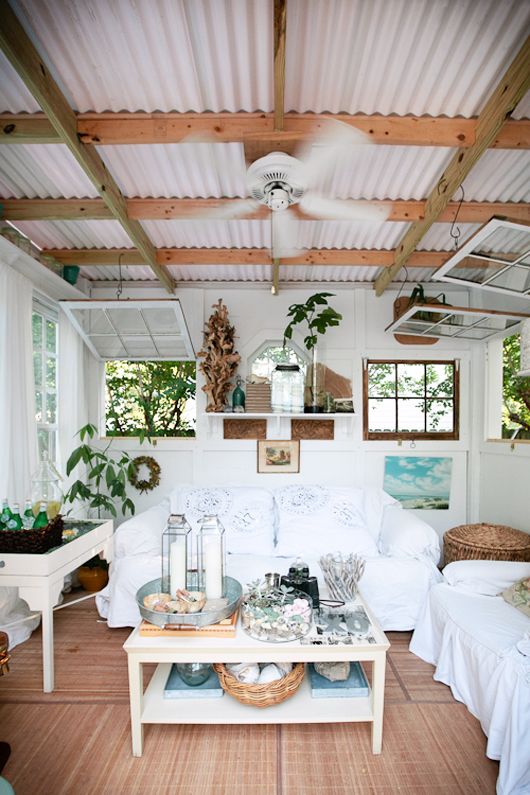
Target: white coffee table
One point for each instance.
(151, 706)
(40, 578)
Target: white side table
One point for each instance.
(40, 578)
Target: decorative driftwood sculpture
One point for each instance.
(219, 358)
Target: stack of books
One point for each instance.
(258, 398)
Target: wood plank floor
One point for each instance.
(76, 741)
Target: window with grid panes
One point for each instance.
(411, 399)
(45, 338)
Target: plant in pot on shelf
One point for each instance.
(317, 316)
(107, 476)
(94, 574)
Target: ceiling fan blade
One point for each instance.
(338, 210)
(334, 143)
(228, 211)
(284, 235)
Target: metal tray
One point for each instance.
(232, 591)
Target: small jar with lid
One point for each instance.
(287, 392)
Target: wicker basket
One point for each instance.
(486, 542)
(265, 695)
(34, 542)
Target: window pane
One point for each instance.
(38, 405)
(264, 364)
(440, 380)
(382, 415)
(51, 327)
(51, 371)
(37, 368)
(51, 407)
(36, 322)
(440, 415)
(410, 379)
(44, 442)
(411, 415)
(381, 380)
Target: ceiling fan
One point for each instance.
(280, 181)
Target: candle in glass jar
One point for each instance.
(213, 567)
(177, 566)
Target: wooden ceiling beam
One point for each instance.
(506, 96)
(190, 209)
(243, 256)
(23, 56)
(280, 18)
(257, 128)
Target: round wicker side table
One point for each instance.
(486, 542)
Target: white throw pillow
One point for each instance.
(486, 577)
(246, 513)
(405, 535)
(314, 520)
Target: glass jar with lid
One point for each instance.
(287, 392)
(277, 614)
(45, 487)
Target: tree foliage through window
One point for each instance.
(516, 392)
(150, 398)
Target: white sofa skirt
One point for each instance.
(394, 588)
(471, 639)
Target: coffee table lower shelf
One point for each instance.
(300, 708)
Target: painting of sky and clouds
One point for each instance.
(419, 482)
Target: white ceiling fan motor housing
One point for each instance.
(274, 180)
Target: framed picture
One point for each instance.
(278, 456)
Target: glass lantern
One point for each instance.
(176, 554)
(287, 392)
(211, 561)
(45, 488)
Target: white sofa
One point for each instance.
(266, 530)
(480, 645)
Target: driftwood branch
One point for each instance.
(220, 361)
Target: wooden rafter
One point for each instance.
(20, 51)
(280, 18)
(244, 256)
(508, 93)
(156, 128)
(164, 209)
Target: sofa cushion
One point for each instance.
(246, 512)
(313, 520)
(518, 595)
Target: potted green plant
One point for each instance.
(317, 316)
(94, 574)
(106, 478)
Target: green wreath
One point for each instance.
(154, 469)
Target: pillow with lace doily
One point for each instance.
(246, 513)
(313, 520)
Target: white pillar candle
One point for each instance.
(177, 565)
(213, 568)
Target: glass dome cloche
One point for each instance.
(45, 487)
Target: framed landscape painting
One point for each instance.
(419, 481)
(278, 456)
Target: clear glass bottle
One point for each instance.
(45, 487)
(211, 562)
(287, 392)
(176, 554)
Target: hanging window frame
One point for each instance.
(42, 354)
(453, 435)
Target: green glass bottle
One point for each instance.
(15, 523)
(28, 520)
(6, 514)
(41, 520)
(238, 397)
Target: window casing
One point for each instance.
(45, 372)
(264, 360)
(410, 399)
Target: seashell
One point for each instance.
(176, 606)
(160, 608)
(194, 601)
(284, 667)
(248, 673)
(269, 673)
(153, 599)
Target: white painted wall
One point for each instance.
(259, 316)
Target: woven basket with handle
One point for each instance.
(265, 695)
